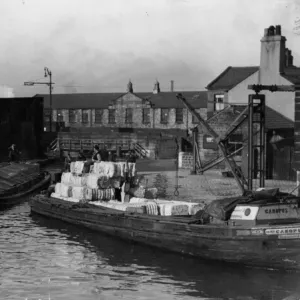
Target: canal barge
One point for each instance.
(259, 228)
(18, 180)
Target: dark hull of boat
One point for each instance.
(176, 234)
(7, 201)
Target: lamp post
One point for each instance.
(50, 83)
(49, 73)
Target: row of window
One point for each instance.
(164, 117)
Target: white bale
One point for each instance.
(66, 177)
(65, 190)
(57, 188)
(92, 181)
(173, 209)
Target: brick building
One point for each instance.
(21, 123)
(138, 116)
(230, 88)
(156, 110)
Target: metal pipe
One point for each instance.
(250, 144)
(262, 142)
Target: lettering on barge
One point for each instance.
(283, 231)
(278, 212)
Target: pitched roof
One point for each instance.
(292, 74)
(230, 77)
(275, 120)
(169, 100)
(197, 99)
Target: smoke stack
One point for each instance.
(172, 85)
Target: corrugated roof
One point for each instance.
(292, 74)
(230, 77)
(197, 99)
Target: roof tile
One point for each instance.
(197, 99)
(230, 77)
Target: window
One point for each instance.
(111, 116)
(98, 115)
(47, 119)
(219, 102)
(128, 115)
(72, 115)
(59, 116)
(164, 117)
(47, 115)
(179, 115)
(85, 115)
(146, 115)
(235, 142)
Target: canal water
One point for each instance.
(48, 259)
(43, 259)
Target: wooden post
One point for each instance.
(298, 183)
(194, 170)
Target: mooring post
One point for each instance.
(298, 183)
(194, 169)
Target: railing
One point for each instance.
(73, 145)
(139, 150)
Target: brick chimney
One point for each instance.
(289, 59)
(272, 55)
(129, 87)
(156, 88)
(172, 85)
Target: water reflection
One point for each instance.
(142, 269)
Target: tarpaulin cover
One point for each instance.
(221, 209)
(15, 173)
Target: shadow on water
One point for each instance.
(193, 277)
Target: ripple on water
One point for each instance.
(42, 258)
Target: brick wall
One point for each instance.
(185, 160)
(131, 101)
(297, 130)
(220, 125)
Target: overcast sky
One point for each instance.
(97, 45)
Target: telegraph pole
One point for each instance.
(50, 83)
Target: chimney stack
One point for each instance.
(288, 58)
(278, 30)
(156, 88)
(172, 85)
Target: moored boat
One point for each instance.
(18, 180)
(261, 229)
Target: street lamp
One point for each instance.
(49, 73)
(31, 83)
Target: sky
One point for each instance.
(98, 45)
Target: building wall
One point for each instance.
(211, 98)
(131, 101)
(240, 93)
(283, 102)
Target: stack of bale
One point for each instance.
(87, 182)
(99, 183)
